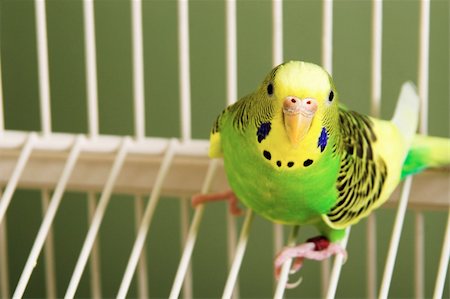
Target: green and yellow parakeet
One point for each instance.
(295, 156)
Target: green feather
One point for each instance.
(426, 152)
(347, 164)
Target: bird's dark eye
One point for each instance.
(270, 89)
(331, 96)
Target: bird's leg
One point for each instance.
(318, 248)
(227, 195)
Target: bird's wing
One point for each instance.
(363, 183)
(362, 173)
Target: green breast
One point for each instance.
(272, 187)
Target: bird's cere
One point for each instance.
(298, 115)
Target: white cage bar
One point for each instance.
(138, 69)
(375, 100)
(232, 95)
(184, 76)
(97, 219)
(277, 58)
(48, 219)
(4, 273)
(2, 117)
(91, 66)
(96, 288)
(146, 220)
(44, 80)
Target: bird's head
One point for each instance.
(301, 94)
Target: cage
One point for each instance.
(105, 111)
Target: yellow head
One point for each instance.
(303, 94)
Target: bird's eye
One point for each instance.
(270, 89)
(331, 96)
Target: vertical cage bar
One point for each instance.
(2, 115)
(375, 104)
(443, 262)
(232, 245)
(424, 49)
(91, 66)
(97, 219)
(48, 219)
(184, 72)
(231, 51)
(231, 73)
(42, 52)
(50, 278)
(277, 32)
(327, 63)
(147, 218)
(4, 273)
(284, 275)
(419, 254)
(278, 237)
(138, 69)
(324, 276)
(327, 35)
(184, 209)
(337, 266)
(423, 82)
(277, 58)
(139, 125)
(93, 124)
(94, 262)
(192, 235)
(371, 259)
(395, 239)
(17, 172)
(142, 276)
(45, 109)
(240, 251)
(377, 38)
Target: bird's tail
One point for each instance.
(426, 152)
(406, 115)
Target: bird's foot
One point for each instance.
(227, 195)
(318, 248)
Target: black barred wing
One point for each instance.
(362, 174)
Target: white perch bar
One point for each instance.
(185, 177)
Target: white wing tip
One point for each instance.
(406, 115)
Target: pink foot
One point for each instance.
(227, 195)
(318, 248)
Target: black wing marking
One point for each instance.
(362, 174)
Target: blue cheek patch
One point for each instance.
(263, 131)
(323, 139)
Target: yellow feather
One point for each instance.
(215, 146)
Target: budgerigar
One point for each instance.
(296, 157)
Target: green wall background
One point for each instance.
(302, 41)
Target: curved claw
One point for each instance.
(296, 265)
(307, 250)
(293, 285)
(299, 252)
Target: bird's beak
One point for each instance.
(298, 115)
